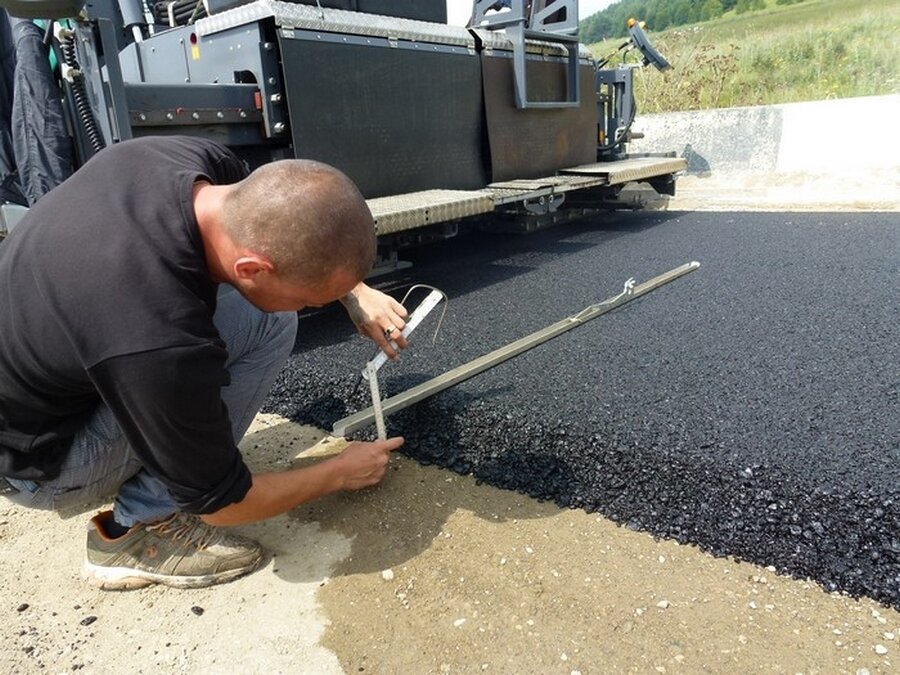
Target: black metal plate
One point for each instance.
(395, 120)
(531, 143)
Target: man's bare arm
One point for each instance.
(360, 465)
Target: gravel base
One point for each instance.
(750, 407)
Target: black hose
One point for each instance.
(80, 97)
(624, 135)
(184, 12)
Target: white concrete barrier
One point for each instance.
(841, 153)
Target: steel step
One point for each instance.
(628, 170)
(398, 213)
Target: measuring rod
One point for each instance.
(461, 373)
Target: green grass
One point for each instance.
(818, 49)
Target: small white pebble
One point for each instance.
(838, 631)
(564, 657)
(575, 672)
(663, 604)
(679, 657)
(862, 671)
(889, 636)
(484, 666)
(502, 561)
(459, 622)
(662, 558)
(881, 650)
(528, 549)
(751, 605)
(387, 575)
(881, 619)
(639, 611)
(742, 639)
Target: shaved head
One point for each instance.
(307, 218)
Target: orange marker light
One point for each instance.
(195, 48)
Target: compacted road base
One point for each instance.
(750, 407)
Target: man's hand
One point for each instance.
(378, 316)
(360, 465)
(363, 465)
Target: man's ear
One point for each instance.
(250, 265)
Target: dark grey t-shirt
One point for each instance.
(105, 295)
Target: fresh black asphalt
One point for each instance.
(751, 407)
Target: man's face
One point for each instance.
(271, 293)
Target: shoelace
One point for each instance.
(188, 529)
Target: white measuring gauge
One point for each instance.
(431, 301)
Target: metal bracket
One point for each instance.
(544, 205)
(547, 20)
(370, 373)
(120, 120)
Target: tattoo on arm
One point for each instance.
(351, 304)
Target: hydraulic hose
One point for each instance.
(624, 135)
(80, 95)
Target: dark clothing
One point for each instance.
(105, 294)
(35, 150)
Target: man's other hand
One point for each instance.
(362, 465)
(378, 316)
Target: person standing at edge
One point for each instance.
(146, 306)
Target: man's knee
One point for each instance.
(247, 330)
(284, 330)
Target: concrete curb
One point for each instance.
(815, 137)
(821, 154)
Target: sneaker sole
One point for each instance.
(128, 578)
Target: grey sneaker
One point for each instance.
(181, 551)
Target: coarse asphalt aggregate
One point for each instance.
(751, 407)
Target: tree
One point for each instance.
(711, 9)
(749, 5)
(659, 14)
(681, 12)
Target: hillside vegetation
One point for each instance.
(662, 14)
(817, 49)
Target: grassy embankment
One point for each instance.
(819, 49)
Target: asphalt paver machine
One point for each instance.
(509, 120)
